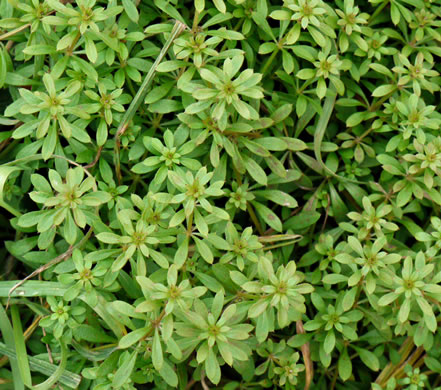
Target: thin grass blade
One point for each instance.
(20, 347)
(8, 337)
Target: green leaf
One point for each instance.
(54, 378)
(344, 366)
(349, 298)
(209, 282)
(8, 336)
(279, 197)
(334, 278)
(5, 171)
(3, 67)
(170, 66)
(220, 5)
(302, 220)
(109, 238)
(255, 171)
(165, 106)
(355, 119)
(199, 5)
(227, 34)
(169, 375)
(204, 250)
(92, 334)
(32, 288)
(111, 322)
(217, 304)
(181, 254)
(320, 131)
(157, 357)
(20, 347)
(433, 364)
(258, 308)
(268, 216)
(282, 113)
(125, 370)
(66, 378)
(143, 90)
(403, 314)
(49, 143)
(158, 93)
(212, 367)
(369, 358)
(339, 208)
(37, 50)
(130, 10)
(255, 148)
(383, 90)
(329, 342)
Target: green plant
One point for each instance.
(237, 194)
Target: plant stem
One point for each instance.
(11, 209)
(130, 85)
(8, 148)
(377, 11)
(195, 22)
(269, 61)
(249, 207)
(203, 384)
(190, 224)
(71, 48)
(378, 104)
(27, 333)
(156, 322)
(334, 379)
(405, 350)
(13, 32)
(306, 353)
(286, 243)
(254, 219)
(51, 263)
(359, 288)
(140, 95)
(236, 27)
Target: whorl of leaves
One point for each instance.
(232, 194)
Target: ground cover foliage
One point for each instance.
(228, 194)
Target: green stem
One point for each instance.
(8, 148)
(70, 49)
(11, 209)
(365, 134)
(152, 327)
(273, 55)
(190, 224)
(254, 219)
(269, 61)
(379, 103)
(286, 243)
(67, 378)
(386, 373)
(238, 25)
(13, 32)
(237, 174)
(377, 11)
(141, 94)
(130, 85)
(249, 207)
(195, 22)
(51, 263)
(134, 184)
(306, 84)
(359, 288)
(334, 379)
